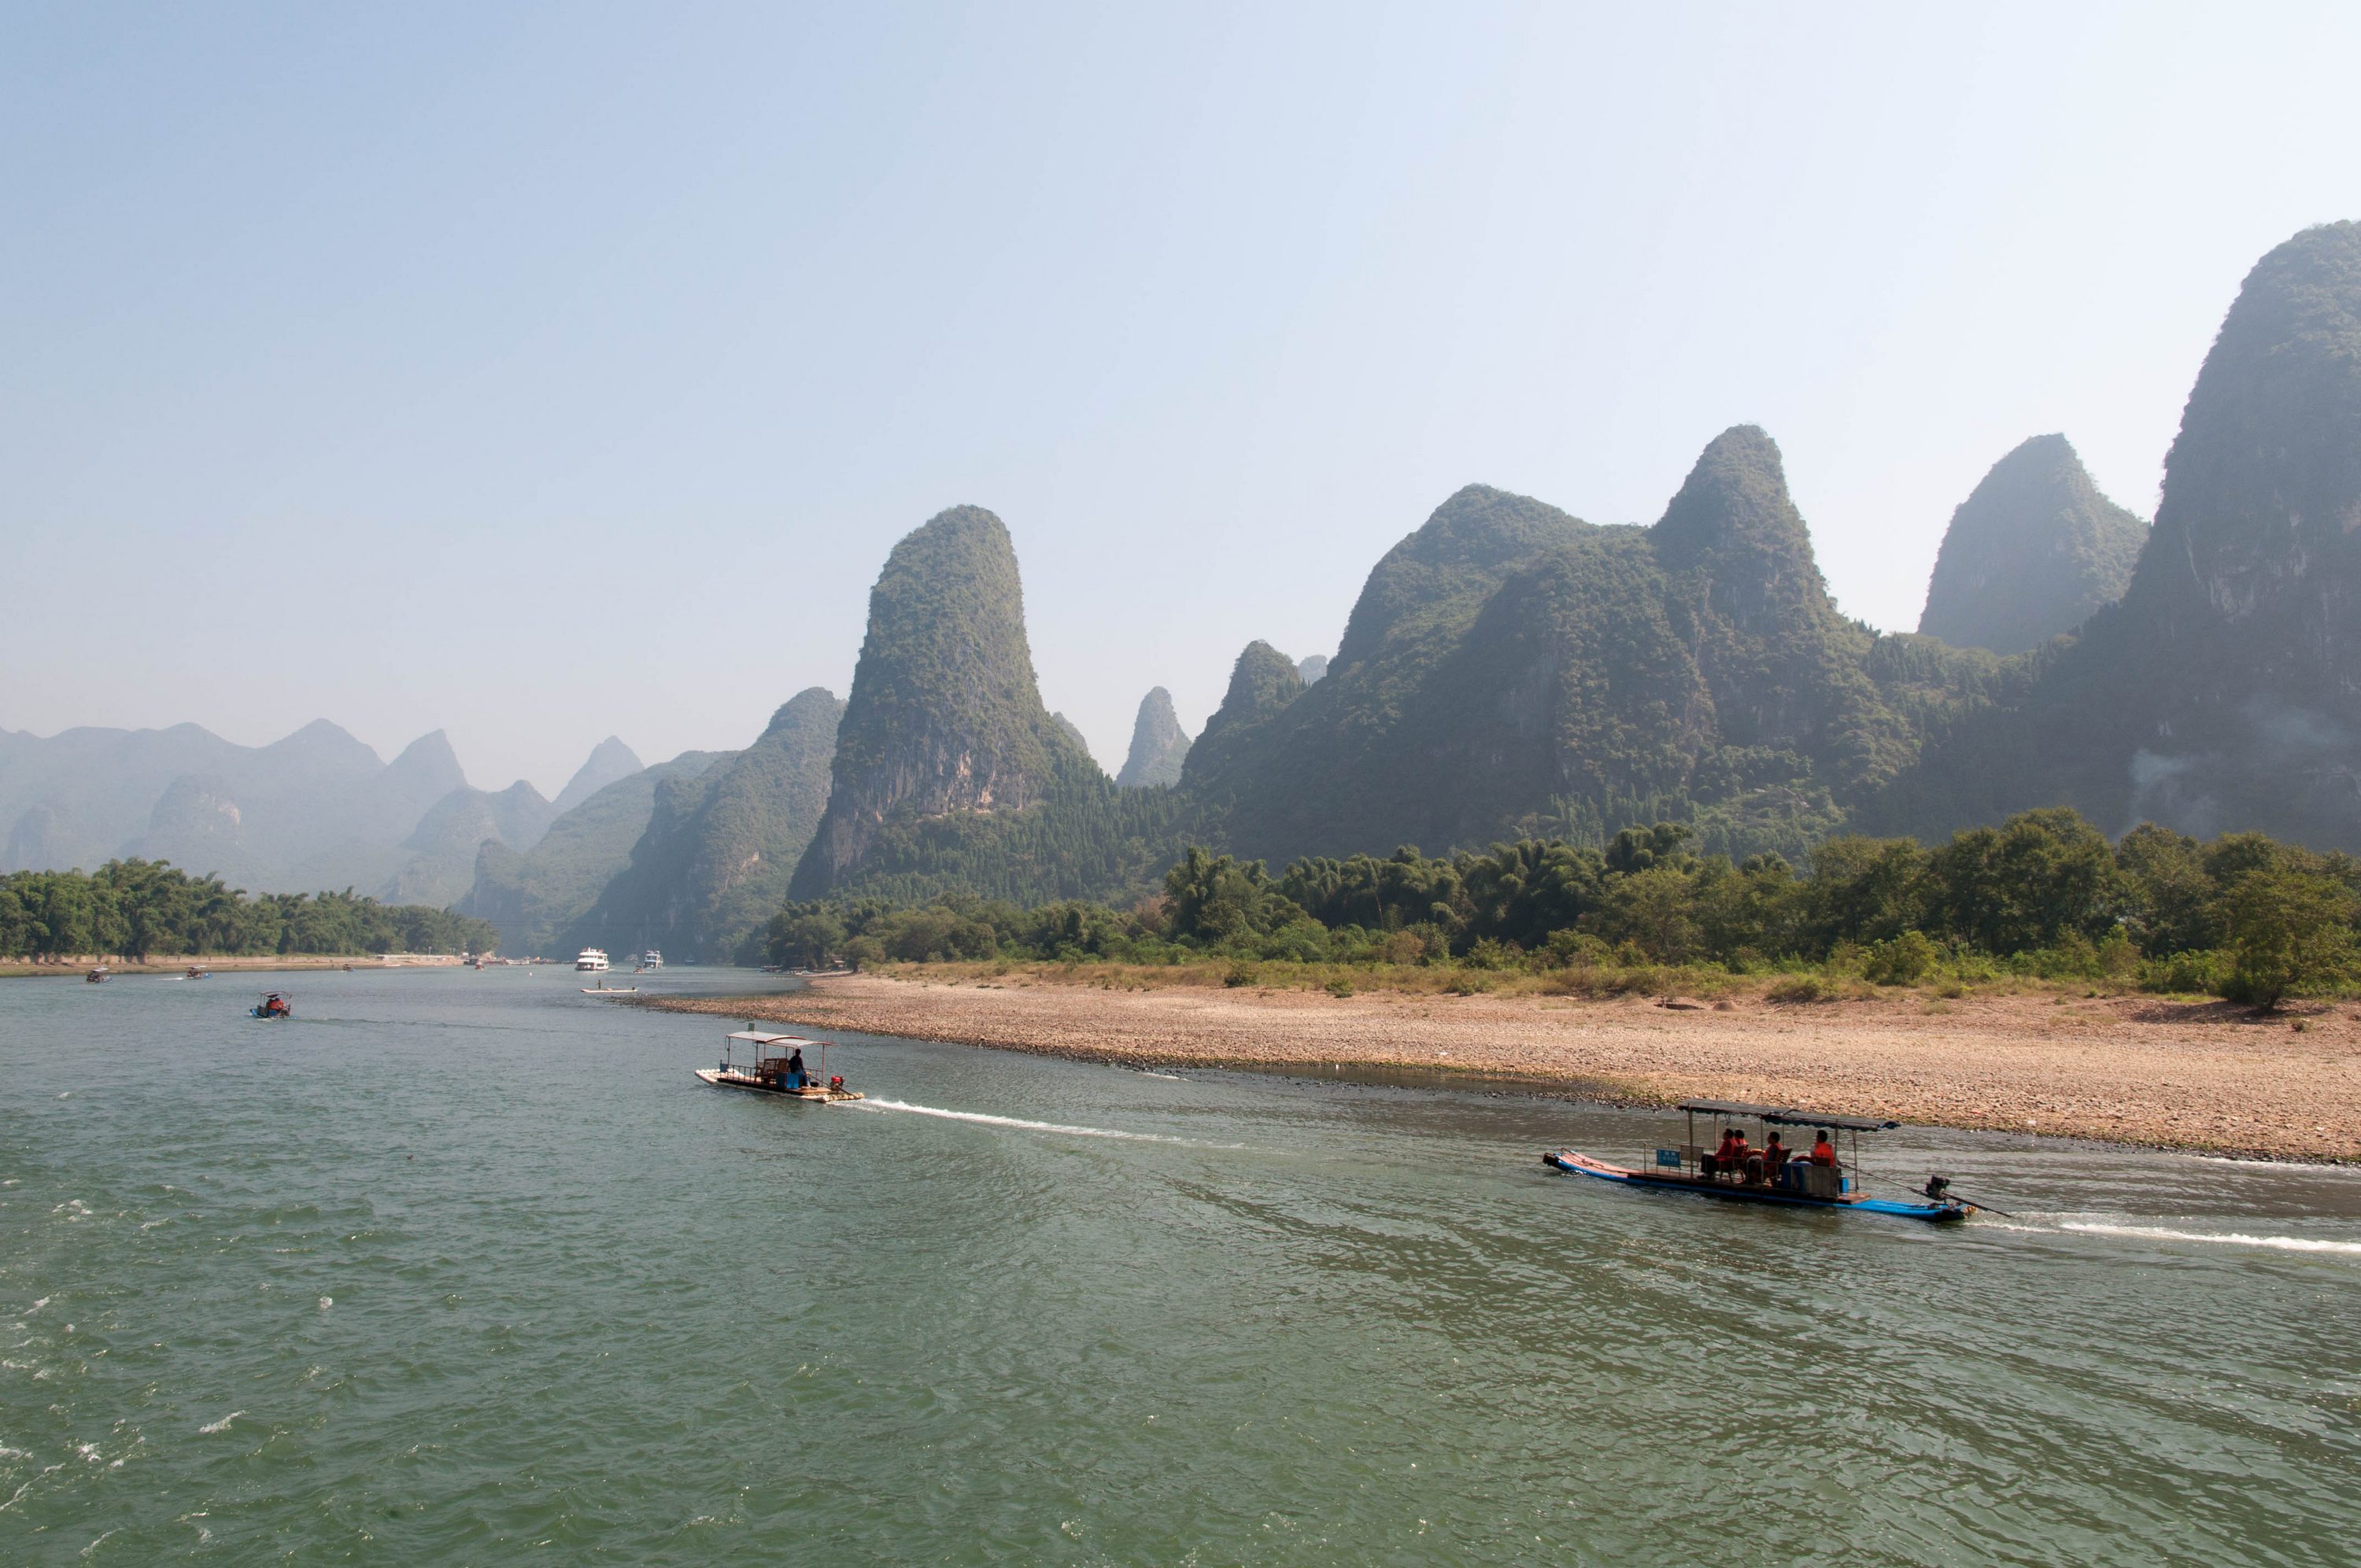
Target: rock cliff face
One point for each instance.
(2032, 552)
(1312, 666)
(2224, 692)
(1158, 745)
(720, 848)
(945, 715)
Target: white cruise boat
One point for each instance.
(590, 960)
(652, 959)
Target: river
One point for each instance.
(458, 1267)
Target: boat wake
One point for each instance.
(1020, 1123)
(2166, 1233)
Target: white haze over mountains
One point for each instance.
(315, 809)
(532, 374)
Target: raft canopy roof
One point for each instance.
(755, 1036)
(1783, 1117)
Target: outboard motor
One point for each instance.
(1938, 1189)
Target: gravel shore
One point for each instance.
(2126, 1070)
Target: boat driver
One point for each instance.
(795, 1068)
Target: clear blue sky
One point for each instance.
(539, 372)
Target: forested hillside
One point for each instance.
(535, 897)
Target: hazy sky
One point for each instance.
(539, 372)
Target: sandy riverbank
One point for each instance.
(2129, 1069)
(172, 964)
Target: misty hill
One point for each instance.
(609, 762)
(315, 809)
(1158, 744)
(950, 772)
(1312, 667)
(440, 863)
(2220, 693)
(533, 897)
(721, 846)
(2032, 552)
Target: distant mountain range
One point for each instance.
(1509, 670)
(1512, 670)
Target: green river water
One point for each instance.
(461, 1267)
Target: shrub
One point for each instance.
(1339, 987)
(1802, 988)
(2196, 972)
(1901, 960)
(1239, 974)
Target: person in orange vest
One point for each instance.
(1824, 1153)
(1731, 1154)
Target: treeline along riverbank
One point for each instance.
(134, 909)
(2045, 894)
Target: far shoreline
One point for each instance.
(2124, 1070)
(168, 966)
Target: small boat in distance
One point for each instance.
(98, 976)
(590, 960)
(1789, 1181)
(196, 972)
(274, 1004)
(603, 989)
(776, 1069)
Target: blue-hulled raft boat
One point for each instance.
(1741, 1172)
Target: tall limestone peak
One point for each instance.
(1734, 527)
(945, 713)
(1158, 745)
(2032, 552)
(608, 760)
(1456, 557)
(2262, 489)
(1262, 684)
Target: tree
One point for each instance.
(2289, 931)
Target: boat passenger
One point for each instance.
(1774, 1158)
(1742, 1161)
(1725, 1157)
(796, 1070)
(1824, 1153)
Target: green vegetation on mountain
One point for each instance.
(535, 897)
(2032, 552)
(1158, 745)
(721, 847)
(2223, 692)
(1510, 669)
(134, 909)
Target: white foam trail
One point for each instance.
(2225, 1238)
(221, 1425)
(2164, 1234)
(1019, 1122)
